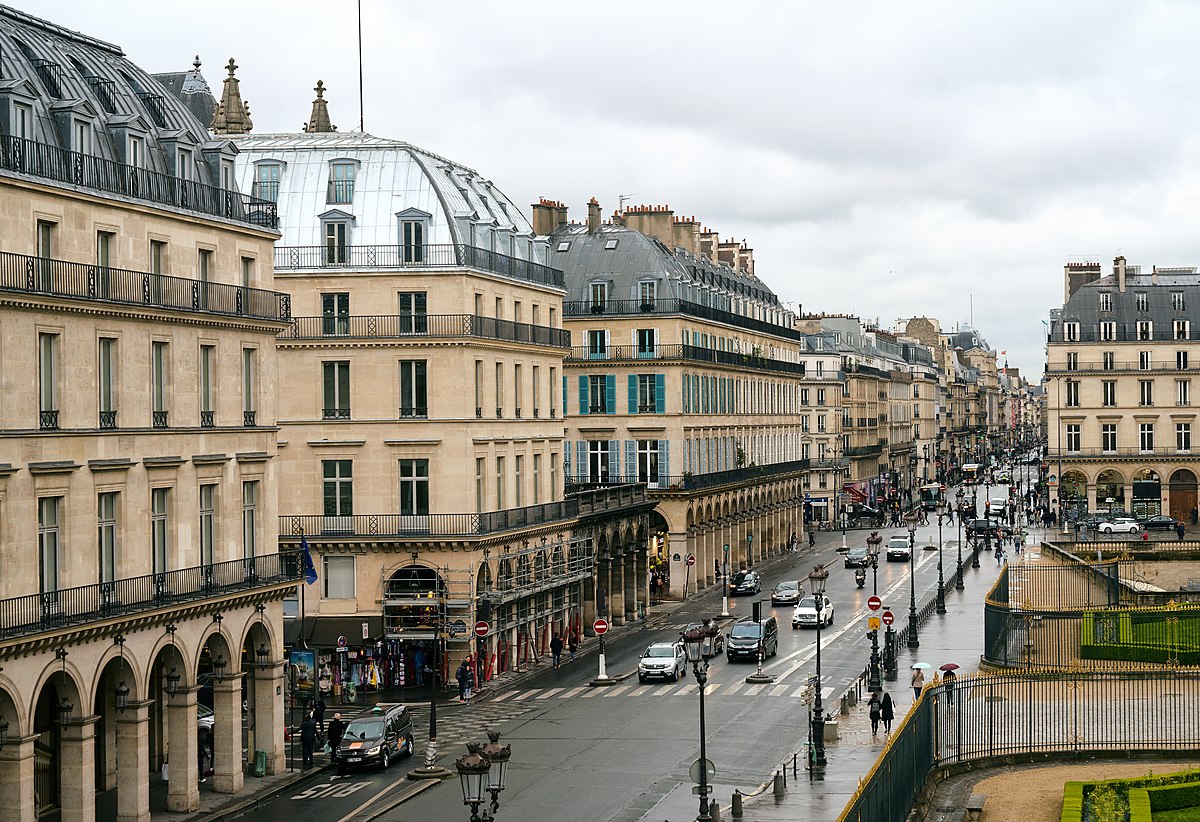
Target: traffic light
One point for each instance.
(757, 611)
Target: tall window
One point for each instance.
(208, 522)
(599, 295)
(1071, 332)
(247, 272)
(45, 251)
(804, 396)
(536, 384)
(159, 361)
(1180, 329)
(518, 480)
(1072, 437)
(553, 392)
(1183, 436)
(1105, 301)
(480, 484)
(1108, 361)
(500, 495)
(647, 395)
(336, 381)
(208, 356)
(597, 344)
(412, 313)
(647, 462)
(48, 380)
(266, 181)
(103, 263)
(335, 314)
(183, 164)
(158, 262)
(647, 293)
(1072, 398)
(499, 389)
(517, 390)
(249, 379)
(1145, 362)
(478, 388)
(106, 535)
(414, 487)
(1109, 393)
(339, 577)
(1141, 301)
(553, 475)
(1108, 330)
(1183, 392)
(1145, 392)
(412, 389)
(1108, 436)
(341, 183)
(136, 151)
(537, 479)
(249, 518)
(1181, 360)
(597, 451)
(160, 511)
(1145, 330)
(1146, 436)
(106, 378)
(48, 543)
(1177, 300)
(412, 239)
(337, 487)
(1072, 360)
(22, 126)
(598, 394)
(820, 396)
(203, 273)
(337, 242)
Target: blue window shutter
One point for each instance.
(566, 460)
(565, 406)
(614, 460)
(610, 386)
(583, 395)
(631, 460)
(633, 398)
(581, 466)
(687, 386)
(664, 463)
(660, 394)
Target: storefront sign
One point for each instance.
(366, 630)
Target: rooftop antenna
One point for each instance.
(621, 201)
(360, 69)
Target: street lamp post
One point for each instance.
(913, 640)
(817, 579)
(699, 643)
(959, 584)
(725, 584)
(873, 673)
(941, 589)
(430, 769)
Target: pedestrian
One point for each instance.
(318, 708)
(573, 645)
(463, 675)
(887, 712)
(812, 538)
(419, 665)
(203, 745)
(918, 682)
(948, 680)
(556, 649)
(874, 706)
(337, 730)
(308, 739)
(1179, 529)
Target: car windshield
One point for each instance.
(364, 729)
(787, 586)
(808, 602)
(858, 550)
(748, 579)
(204, 711)
(898, 542)
(745, 629)
(660, 650)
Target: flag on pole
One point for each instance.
(306, 561)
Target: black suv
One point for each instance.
(979, 528)
(376, 737)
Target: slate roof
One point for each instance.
(190, 88)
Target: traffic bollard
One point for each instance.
(735, 806)
(778, 787)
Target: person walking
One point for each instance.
(318, 708)
(874, 709)
(918, 682)
(948, 680)
(556, 649)
(337, 730)
(419, 666)
(1179, 529)
(887, 712)
(308, 739)
(812, 538)
(573, 645)
(463, 675)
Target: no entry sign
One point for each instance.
(874, 603)
(691, 560)
(888, 617)
(482, 628)
(600, 626)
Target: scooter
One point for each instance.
(860, 577)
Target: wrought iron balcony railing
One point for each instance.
(54, 610)
(59, 278)
(317, 526)
(694, 353)
(446, 255)
(1068, 453)
(159, 419)
(587, 308)
(48, 420)
(698, 482)
(208, 419)
(248, 418)
(405, 326)
(63, 166)
(108, 419)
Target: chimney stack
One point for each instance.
(1154, 275)
(593, 222)
(548, 215)
(1119, 270)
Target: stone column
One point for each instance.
(631, 584)
(183, 789)
(133, 751)
(616, 592)
(77, 769)
(705, 565)
(16, 781)
(589, 604)
(677, 544)
(700, 551)
(227, 735)
(268, 715)
(643, 580)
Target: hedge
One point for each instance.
(1140, 653)
(1075, 793)
(1174, 797)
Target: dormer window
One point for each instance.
(135, 151)
(183, 164)
(81, 137)
(599, 294)
(1105, 301)
(22, 121)
(611, 245)
(341, 182)
(414, 235)
(647, 294)
(1177, 300)
(336, 226)
(1141, 301)
(1071, 332)
(266, 181)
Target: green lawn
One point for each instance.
(1191, 814)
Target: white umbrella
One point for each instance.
(921, 665)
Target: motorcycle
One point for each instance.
(860, 577)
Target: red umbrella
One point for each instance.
(949, 666)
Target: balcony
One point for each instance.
(108, 419)
(1078, 453)
(749, 474)
(866, 450)
(318, 526)
(1167, 366)
(692, 353)
(406, 326)
(58, 278)
(54, 610)
(53, 163)
(588, 308)
(447, 255)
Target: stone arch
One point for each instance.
(1073, 490)
(483, 578)
(1110, 485)
(208, 650)
(54, 753)
(131, 668)
(262, 630)
(175, 653)
(13, 709)
(1146, 475)
(415, 579)
(1182, 490)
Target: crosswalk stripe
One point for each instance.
(641, 690)
(617, 691)
(754, 689)
(711, 689)
(503, 696)
(691, 687)
(826, 693)
(590, 692)
(550, 693)
(733, 689)
(573, 692)
(525, 694)
(779, 690)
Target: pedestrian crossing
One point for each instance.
(783, 690)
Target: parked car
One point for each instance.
(786, 593)
(205, 718)
(1161, 522)
(859, 515)
(745, 636)
(858, 557)
(805, 613)
(745, 582)
(376, 737)
(981, 528)
(718, 644)
(662, 660)
(898, 548)
(1121, 526)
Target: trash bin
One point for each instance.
(260, 763)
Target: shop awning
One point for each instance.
(323, 631)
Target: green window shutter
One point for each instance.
(630, 461)
(633, 394)
(664, 463)
(660, 394)
(583, 395)
(610, 388)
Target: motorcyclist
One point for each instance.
(860, 576)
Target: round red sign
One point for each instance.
(600, 626)
(691, 560)
(888, 618)
(482, 628)
(874, 603)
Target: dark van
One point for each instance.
(744, 637)
(376, 737)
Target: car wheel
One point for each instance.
(410, 747)
(641, 679)
(385, 760)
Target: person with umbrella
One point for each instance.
(918, 679)
(948, 679)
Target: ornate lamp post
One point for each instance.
(817, 579)
(873, 673)
(941, 589)
(913, 640)
(959, 584)
(699, 643)
(473, 773)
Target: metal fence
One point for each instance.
(397, 326)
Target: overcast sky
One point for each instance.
(883, 159)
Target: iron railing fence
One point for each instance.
(53, 610)
(696, 482)
(58, 164)
(442, 255)
(672, 305)
(403, 326)
(316, 526)
(695, 353)
(59, 278)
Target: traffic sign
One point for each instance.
(691, 560)
(600, 626)
(873, 623)
(482, 628)
(708, 767)
(888, 617)
(874, 603)
(457, 628)
(341, 642)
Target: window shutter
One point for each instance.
(656, 342)
(566, 461)
(610, 382)
(702, 447)
(608, 353)
(664, 463)
(583, 395)
(687, 387)
(564, 403)
(581, 466)
(614, 460)
(660, 394)
(631, 473)
(633, 392)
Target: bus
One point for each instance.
(970, 473)
(932, 495)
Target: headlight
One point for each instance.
(374, 750)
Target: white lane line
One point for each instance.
(617, 691)
(549, 693)
(504, 696)
(573, 692)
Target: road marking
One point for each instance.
(754, 689)
(592, 692)
(525, 694)
(691, 687)
(573, 692)
(826, 693)
(503, 696)
(711, 689)
(641, 690)
(620, 689)
(733, 689)
(780, 690)
(550, 693)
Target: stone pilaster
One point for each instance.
(268, 715)
(183, 789)
(227, 735)
(133, 761)
(616, 591)
(77, 770)
(16, 781)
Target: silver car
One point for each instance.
(662, 660)
(786, 593)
